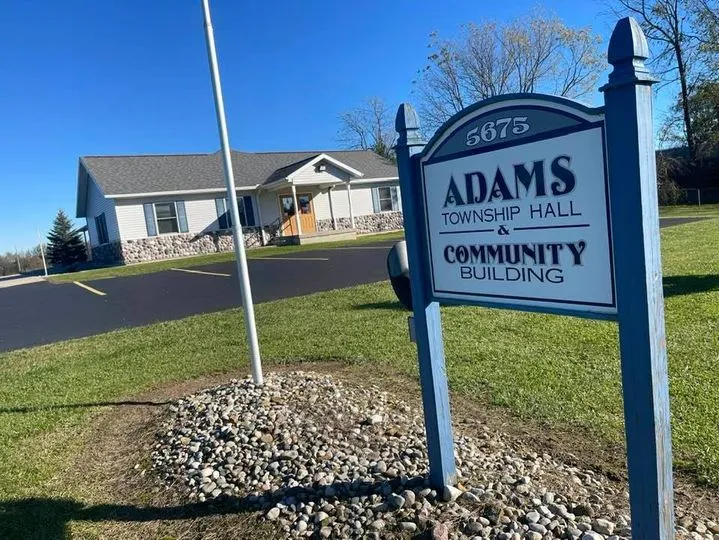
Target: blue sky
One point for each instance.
(88, 77)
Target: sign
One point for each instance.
(509, 205)
(516, 204)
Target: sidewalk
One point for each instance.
(17, 279)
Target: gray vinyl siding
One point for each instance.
(310, 175)
(97, 203)
(200, 210)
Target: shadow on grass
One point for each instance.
(387, 304)
(48, 518)
(680, 285)
(37, 408)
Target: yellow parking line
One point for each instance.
(200, 272)
(88, 288)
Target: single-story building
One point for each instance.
(147, 207)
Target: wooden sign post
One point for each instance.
(538, 203)
(642, 340)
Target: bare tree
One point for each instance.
(369, 127)
(706, 21)
(667, 23)
(536, 53)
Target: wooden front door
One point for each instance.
(307, 215)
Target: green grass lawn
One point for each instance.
(158, 266)
(561, 370)
(685, 210)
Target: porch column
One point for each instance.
(349, 200)
(263, 240)
(297, 210)
(332, 210)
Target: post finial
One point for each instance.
(627, 42)
(407, 125)
(628, 49)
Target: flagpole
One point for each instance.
(240, 259)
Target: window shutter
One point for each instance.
(221, 217)
(399, 198)
(228, 214)
(150, 219)
(375, 200)
(181, 216)
(97, 230)
(249, 211)
(395, 198)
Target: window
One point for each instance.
(101, 229)
(166, 215)
(244, 207)
(386, 199)
(247, 214)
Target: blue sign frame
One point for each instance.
(631, 172)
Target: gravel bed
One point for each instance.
(325, 459)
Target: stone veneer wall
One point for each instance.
(384, 221)
(107, 253)
(172, 246)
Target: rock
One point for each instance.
(583, 510)
(469, 497)
(473, 527)
(209, 488)
(321, 517)
(380, 467)
(592, 535)
(603, 526)
(532, 517)
(301, 526)
(408, 526)
(409, 497)
(273, 514)
(532, 535)
(395, 502)
(325, 532)
(450, 493)
(440, 532)
(377, 525)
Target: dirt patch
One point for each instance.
(117, 496)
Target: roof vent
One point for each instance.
(321, 167)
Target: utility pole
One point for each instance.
(42, 252)
(241, 260)
(17, 260)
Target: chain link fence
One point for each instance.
(699, 196)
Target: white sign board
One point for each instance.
(521, 219)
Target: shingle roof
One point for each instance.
(126, 175)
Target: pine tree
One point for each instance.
(65, 244)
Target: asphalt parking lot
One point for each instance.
(40, 313)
